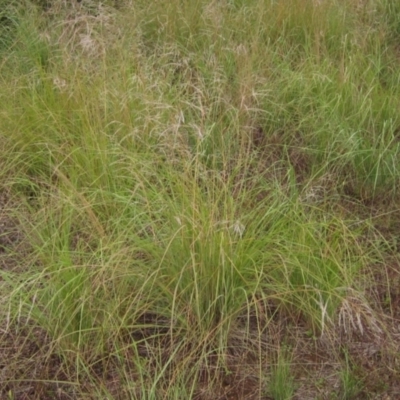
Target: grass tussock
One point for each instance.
(199, 200)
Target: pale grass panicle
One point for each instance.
(357, 316)
(238, 228)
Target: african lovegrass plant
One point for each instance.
(180, 165)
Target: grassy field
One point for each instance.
(200, 199)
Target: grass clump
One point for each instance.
(351, 384)
(191, 186)
(281, 385)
